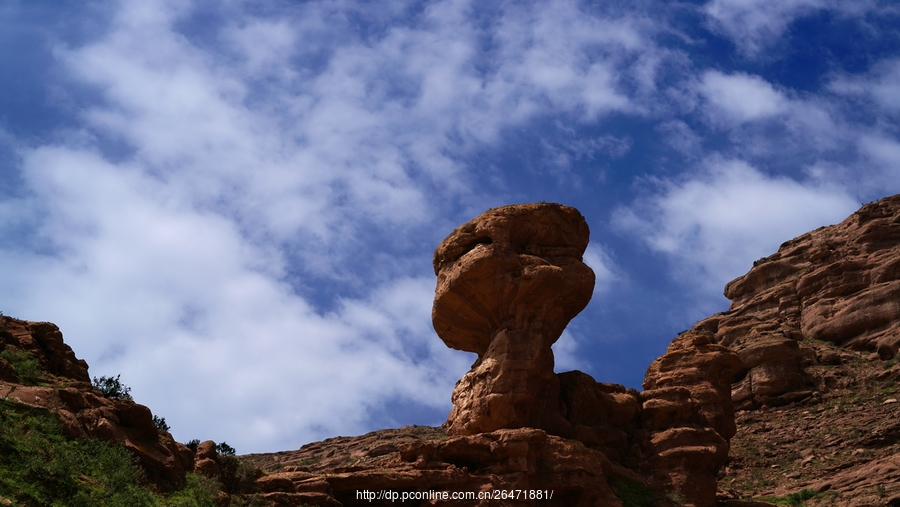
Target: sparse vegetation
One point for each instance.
(309, 461)
(759, 261)
(225, 450)
(160, 423)
(112, 387)
(634, 493)
(26, 366)
(793, 499)
(237, 475)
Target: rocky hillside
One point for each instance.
(788, 398)
(817, 328)
(43, 384)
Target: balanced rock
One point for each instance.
(509, 282)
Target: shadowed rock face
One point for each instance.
(509, 282)
(688, 414)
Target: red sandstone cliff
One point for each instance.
(806, 351)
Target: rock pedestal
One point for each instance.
(509, 282)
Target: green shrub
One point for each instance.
(26, 366)
(199, 491)
(39, 466)
(238, 476)
(112, 388)
(634, 493)
(793, 499)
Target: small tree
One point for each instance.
(112, 388)
(160, 423)
(225, 450)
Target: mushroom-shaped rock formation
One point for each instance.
(509, 282)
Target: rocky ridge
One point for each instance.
(817, 328)
(839, 284)
(842, 444)
(807, 351)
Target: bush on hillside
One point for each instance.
(112, 388)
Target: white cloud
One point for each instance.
(715, 223)
(754, 24)
(567, 354)
(741, 97)
(681, 137)
(196, 319)
(247, 186)
(881, 85)
(264, 45)
(606, 273)
(884, 154)
(765, 123)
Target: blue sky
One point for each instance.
(234, 204)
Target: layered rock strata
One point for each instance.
(839, 284)
(510, 467)
(509, 282)
(688, 413)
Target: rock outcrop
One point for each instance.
(509, 282)
(518, 467)
(807, 351)
(50, 377)
(688, 412)
(519, 434)
(839, 284)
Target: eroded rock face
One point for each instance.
(688, 412)
(840, 284)
(510, 467)
(509, 282)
